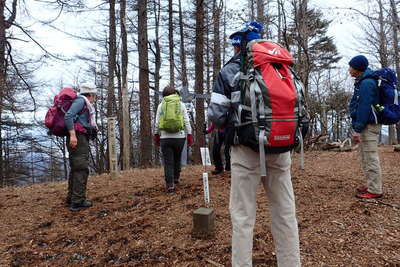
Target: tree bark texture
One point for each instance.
(145, 118)
(157, 68)
(199, 80)
(111, 60)
(125, 144)
(171, 44)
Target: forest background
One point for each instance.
(132, 49)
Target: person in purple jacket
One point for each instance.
(81, 126)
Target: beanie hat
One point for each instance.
(88, 89)
(252, 30)
(359, 63)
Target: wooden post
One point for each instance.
(203, 221)
(112, 152)
(125, 129)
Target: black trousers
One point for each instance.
(219, 140)
(79, 165)
(171, 149)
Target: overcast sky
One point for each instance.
(342, 29)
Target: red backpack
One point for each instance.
(54, 119)
(272, 101)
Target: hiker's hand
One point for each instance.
(356, 138)
(157, 139)
(189, 140)
(73, 141)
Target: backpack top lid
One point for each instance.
(268, 52)
(386, 74)
(172, 98)
(65, 94)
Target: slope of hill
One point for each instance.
(135, 223)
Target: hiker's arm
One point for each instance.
(157, 123)
(73, 141)
(220, 103)
(70, 116)
(367, 97)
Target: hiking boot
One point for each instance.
(171, 189)
(369, 195)
(215, 172)
(83, 205)
(67, 202)
(362, 189)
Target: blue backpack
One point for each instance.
(388, 109)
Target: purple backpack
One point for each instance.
(54, 119)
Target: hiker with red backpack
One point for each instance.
(261, 140)
(172, 128)
(365, 125)
(81, 126)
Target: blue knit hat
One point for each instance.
(253, 29)
(359, 63)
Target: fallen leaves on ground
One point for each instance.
(134, 222)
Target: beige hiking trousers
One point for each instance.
(245, 178)
(370, 158)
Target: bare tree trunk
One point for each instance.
(157, 55)
(111, 69)
(4, 25)
(2, 83)
(125, 144)
(207, 51)
(111, 61)
(185, 82)
(224, 34)
(145, 118)
(199, 80)
(300, 10)
(171, 45)
(251, 9)
(383, 54)
(261, 17)
(383, 51)
(217, 7)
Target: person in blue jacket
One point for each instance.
(81, 125)
(365, 125)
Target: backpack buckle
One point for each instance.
(262, 122)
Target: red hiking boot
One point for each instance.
(362, 189)
(369, 195)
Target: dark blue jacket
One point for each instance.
(365, 96)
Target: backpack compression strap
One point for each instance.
(260, 123)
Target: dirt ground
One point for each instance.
(135, 223)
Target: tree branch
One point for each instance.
(22, 78)
(11, 19)
(36, 42)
